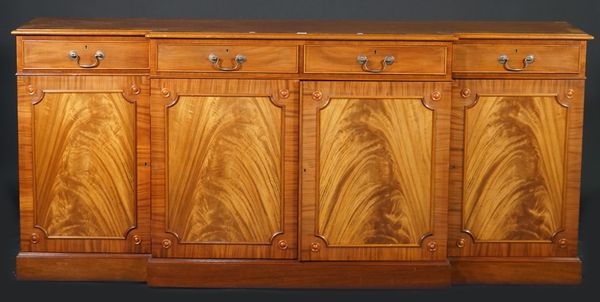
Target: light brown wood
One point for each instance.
(85, 164)
(398, 169)
(83, 157)
(192, 56)
(81, 267)
(514, 167)
(305, 29)
(294, 274)
(369, 194)
(44, 53)
(551, 57)
(520, 142)
(225, 168)
(516, 270)
(410, 58)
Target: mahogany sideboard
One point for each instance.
(220, 153)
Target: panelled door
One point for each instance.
(224, 168)
(84, 163)
(515, 164)
(374, 170)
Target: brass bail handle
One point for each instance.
(364, 62)
(503, 59)
(238, 60)
(98, 56)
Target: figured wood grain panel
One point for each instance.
(514, 168)
(84, 164)
(225, 168)
(224, 157)
(375, 171)
(530, 177)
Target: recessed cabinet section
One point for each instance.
(374, 170)
(515, 164)
(225, 168)
(84, 154)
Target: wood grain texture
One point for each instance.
(375, 171)
(411, 58)
(47, 53)
(514, 168)
(550, 57)
(521, 196)
(295, 274)
(368, 193)
(516, 270)
(192, 55)
(224, 168)
(85, 164)
(224, 158)
(82, 266)
(313, 29)
(83, 160)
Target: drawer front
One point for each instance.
(407, 59)
(70, 54)
(485, 58)
(194, 57)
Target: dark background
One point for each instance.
(582, 13)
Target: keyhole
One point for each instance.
(227, 50)
(85, 47)
(516, 50)
(375, 51)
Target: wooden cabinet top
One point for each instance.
(303, 29)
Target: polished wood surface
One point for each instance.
(305, 29)
(515, 168)
(83, 162)
(410, 58)
(54, 54)
(552, 57)
(443, 155)
(192, 56)
(82, 266)
(217, 193)
(367, 192)
(516, 270)
(294, 274)
(225, 168)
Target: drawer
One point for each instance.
(227, 57)
(417, 59)
(85, 54)
(546, 58)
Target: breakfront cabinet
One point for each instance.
(218, 153)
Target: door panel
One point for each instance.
(230, 150)
(372, 168)
(86, 192)
(517, 146)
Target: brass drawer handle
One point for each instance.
(216, 61)
(503, 59)
(99, 56)
(364, 62)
